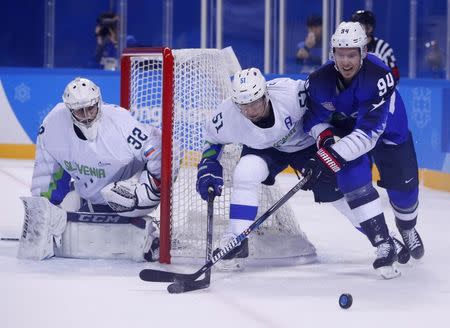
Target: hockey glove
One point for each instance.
(325, 139)
(322, 166)
(133, 198)
(209, 175)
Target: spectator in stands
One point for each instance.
(378, 47)
(106, 32)
(434, 59)
(309, 52)
(107, 35)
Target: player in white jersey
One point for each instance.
(92, 157)
(266, 117)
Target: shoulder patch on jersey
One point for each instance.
(149, 151)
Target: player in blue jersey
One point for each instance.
(370, 117)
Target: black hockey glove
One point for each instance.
(322, 166)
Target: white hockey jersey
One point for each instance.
(122, 148)
(288, 99)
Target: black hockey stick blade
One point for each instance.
(157, 275)
(166, 276)
(179, 287)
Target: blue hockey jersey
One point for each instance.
(370, 108)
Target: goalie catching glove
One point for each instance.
(131, 198)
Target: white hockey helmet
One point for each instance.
(349, 35)
(248, 85)
(82, 97)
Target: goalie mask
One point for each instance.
(249, 93)
(82, 97)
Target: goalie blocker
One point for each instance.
(50, 231)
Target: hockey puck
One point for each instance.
(345, 301)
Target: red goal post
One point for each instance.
(167, 109)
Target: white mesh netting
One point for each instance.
(201, 82)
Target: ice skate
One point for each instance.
(402, 251)
(234, 260)
(385, 261)
(413, 241)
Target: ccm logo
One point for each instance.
(99, 218)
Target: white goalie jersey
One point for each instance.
(122, 148)
(288, 99)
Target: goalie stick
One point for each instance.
(176, 287)
(186, 279)
(9, 239)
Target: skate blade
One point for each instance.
(389, 272)
(233, 265)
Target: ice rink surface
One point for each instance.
(98, 293)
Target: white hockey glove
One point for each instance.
(43, 226)
(131, 198)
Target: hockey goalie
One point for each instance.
(96, 179)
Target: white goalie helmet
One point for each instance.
(248, 85)
(82, 97)
(349, 35)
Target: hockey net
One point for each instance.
(176, 90)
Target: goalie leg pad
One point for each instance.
(110, 241)
(43, 226)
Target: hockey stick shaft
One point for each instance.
(9, 239)
(158, 275)
(209, 231)
(182, 287)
